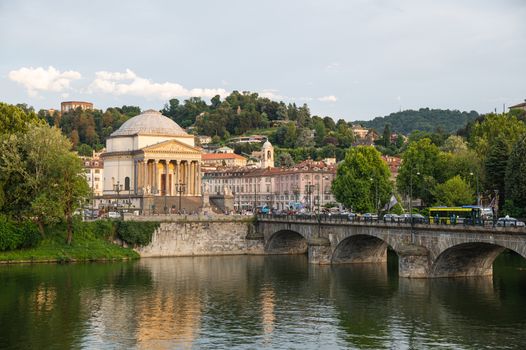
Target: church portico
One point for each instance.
(167, 165)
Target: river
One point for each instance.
(257, 302)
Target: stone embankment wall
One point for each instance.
(202, 237)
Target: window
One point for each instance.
(126, 183)
(97, 171)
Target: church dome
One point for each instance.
(267, 144)
(150, 122)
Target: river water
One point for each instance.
(249, 302)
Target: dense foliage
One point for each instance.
(516, 179)
(424, 119)
(136, 233)
(40, 178)
(483, 160)
(362, 182)
(15, 235)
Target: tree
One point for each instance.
(484, 134)
(43, 180)
(14, 119)
(353, 186)
(453, 192)
(516, 178)
(386, 137)
(495, 166)
(421, 167)
(85, 150)
(454, 144)
(285, 160)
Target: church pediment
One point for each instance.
(171, 146)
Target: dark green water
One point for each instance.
(257, 302)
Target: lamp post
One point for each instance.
(411, 203)
(376, 206)
(477, 186)
(117, 188)
(180, 188)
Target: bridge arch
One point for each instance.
(468, 259)
(360, 248)
(286, 242)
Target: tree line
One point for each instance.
(484, 162)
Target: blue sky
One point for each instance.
(354, 59)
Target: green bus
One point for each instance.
(467, 215)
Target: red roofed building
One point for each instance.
(214, 160)
(394, 165)
(307, 184)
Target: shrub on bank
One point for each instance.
(14, 235)
(136, 233)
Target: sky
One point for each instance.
(350, 59)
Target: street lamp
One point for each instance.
(376, 199)
(411, 203)
(117, 188)
(180, 188)
(477, 186)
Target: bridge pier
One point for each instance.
(319, 251)
(413, 261)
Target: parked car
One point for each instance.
(369, 217)
(417, 218)
(114, 215)
(391, 218)
(508, 221)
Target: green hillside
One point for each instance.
(424, 119)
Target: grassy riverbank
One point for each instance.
(91, 242)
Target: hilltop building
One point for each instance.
(67, 106)
(521, 106)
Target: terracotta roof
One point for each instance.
(220, 156)
(523, 104)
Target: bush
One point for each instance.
(136, 233)
(104, 229)
(15, 235)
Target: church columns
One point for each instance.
(155, 177)
(135, 175)
(189, 178)
(148, 177)
(198, 179)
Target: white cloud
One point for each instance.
(129, 83)
(330, 98)
(272, 94)
(41, 79)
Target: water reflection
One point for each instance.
(252, 302)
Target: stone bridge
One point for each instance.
(423, 251)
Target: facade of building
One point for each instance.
(394, 165)
(306, 185)
(223, 159)
(67, 106)
(521, 106)
(94, 172)
(204, 139)
(150, 156)
(248, 139)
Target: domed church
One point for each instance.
(150, 161)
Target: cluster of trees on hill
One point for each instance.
(424, 119)
(288, 126)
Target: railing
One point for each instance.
(403, 221)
